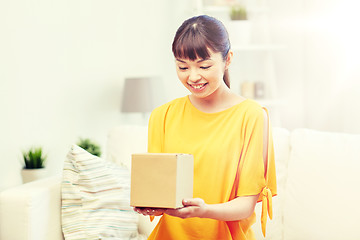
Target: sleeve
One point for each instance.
(250, 173)
(156, 131)
(269, 190)
(252, 178)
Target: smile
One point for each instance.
(198, 86)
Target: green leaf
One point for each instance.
(34, 158)
(90, 146)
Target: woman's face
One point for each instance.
(202, 77)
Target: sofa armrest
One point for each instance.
(32, 211)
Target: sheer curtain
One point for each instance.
(319, 72)
(332, 65)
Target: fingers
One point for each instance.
(180, 212)
(193, 202)
(193, 207)
(184, 212)
(143, 211)
(149, 211)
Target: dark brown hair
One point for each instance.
(197, 35)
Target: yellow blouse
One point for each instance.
(228, 162)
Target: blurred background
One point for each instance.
(64, 64)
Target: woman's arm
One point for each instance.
(236, 209)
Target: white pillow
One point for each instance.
(96, 199)
(323, 178)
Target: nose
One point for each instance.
(194, 76)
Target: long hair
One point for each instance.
(197, 35)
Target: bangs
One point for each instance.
(191, 46)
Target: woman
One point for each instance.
(227, 134)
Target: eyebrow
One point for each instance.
(201, 60)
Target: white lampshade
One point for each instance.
(142, 94)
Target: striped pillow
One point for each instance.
(96, 199)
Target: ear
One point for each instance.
(229, 59)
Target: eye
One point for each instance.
(205, 67)
(183, 68)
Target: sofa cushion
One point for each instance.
(323, 178)
(124, 140)
(96, 199)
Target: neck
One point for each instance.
(215, 102)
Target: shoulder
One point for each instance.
(253, 108)
(178, 102)
(253, 114)
(174, 105)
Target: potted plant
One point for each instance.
(90, 146)
(34, 164)
(240, 26)
(238, 12)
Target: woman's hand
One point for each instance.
(149, 211)
(194, 207)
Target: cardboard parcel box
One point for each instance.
(161, 180)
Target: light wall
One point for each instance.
(289, 61)
(62, 66)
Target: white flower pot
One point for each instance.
(239, 32)
(29, 175)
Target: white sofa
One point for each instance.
(317, 189)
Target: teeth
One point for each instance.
(198, 86)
